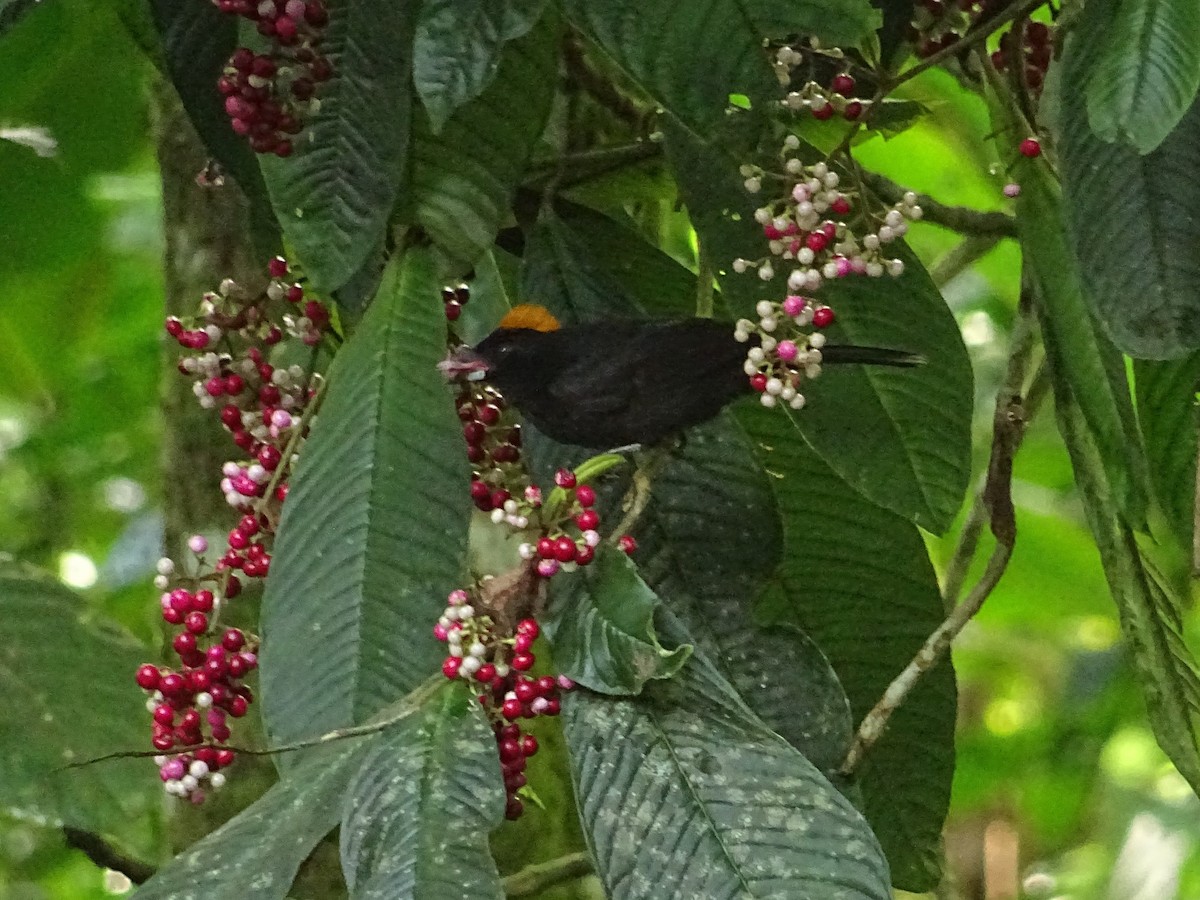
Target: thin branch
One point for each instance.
(106, 856)
(964, 552)
(534, 879)
(957, 218)
(705, 272)
(638, 495)
(585, 165)
(960, 257)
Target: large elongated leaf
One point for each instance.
(417, 815)
(1085, 357)
(601, 623)
(857, 579)
(255, 855)
(902, 438)
(1166, 406)
(374, 529)
(1143, 68)
(1129, 218)
(334, 196)
(684, 793)
(463, 177)
(457, 46)
(68, 683)
(1151, 616)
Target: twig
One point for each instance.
(638, 495)
(536, 878)
(705, 272)
(106, 856)
(957, 218)
(962, 255)
(574, 168)
(404, 708)
(964, 552)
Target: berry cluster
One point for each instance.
(1033, 47)
(206, 690)
(454, 299)
(938, 24)
(267, 95)
(497, 666)
(263, 408)
(801, 228)
(556, 548)
(493, 446)
(784, 354)
(823, 101)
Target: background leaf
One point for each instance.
(1143, 68)
(1166, 406)
(417, 814)
(334, 195)
(1116, 203)
(456, 49)
(362, 570)
(671, 793)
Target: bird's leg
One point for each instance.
(647, 467)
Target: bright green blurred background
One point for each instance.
(1060, 786)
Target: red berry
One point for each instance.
(164, 715)
(841, 206)
(148, 676)
(511, 708)
(545, 548)
(564, 549)
(816, 241)
(529, 745)
(172, 684)
(553, 707)
(852, 111)
(522, 662)
(587, 520)
(514, 808)
(166, 742)
(1030, 148)
(233, 640)
(585, 495)
(522, 643)
(233, 587)
(237, 707)
(584, 555)
(278, 267)
(485, 673)
(822, 317)
(526, 690)
(225, 758)
(842, 84)
(451, 665)
(823, 112)
(529, 627)
(196, 622)
(510, 750)
(758, 382)
(184, 643)
(564, 478)
(627, 544)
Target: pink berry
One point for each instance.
(793, 305)
(585, 495)
(1030, 148)
(564, 478)
(451, 665)
(627, 544)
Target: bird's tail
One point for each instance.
(871, 356)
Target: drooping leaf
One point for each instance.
(457, 46)
(1128, 216)
(902, 438)
(1142, 70)
(255, 855)
(1166, 408)
(197, 41)
(857, 579)
(334, 195)
(67, 677)
(417, 814)
(374, 529)
(1151, 616)
(601, 625)
(684, 793)
(1085, 357)
(464, 175)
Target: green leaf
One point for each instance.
(457, 46)
(1143, 68)
(684, 793)
(1092, 366)
(334, 195)
(601, 625)
(417, 815)
(464, 176)
(688, 57)
(902, 438)
(1166, 412)
(197, 41)
(67, 678)
(11, 12)
(1151, 616)
(255, 855)
(839, 23)
(857, 579)
(374, 529)
(1118, 203)
(707, 543)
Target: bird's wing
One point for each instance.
(598, 381)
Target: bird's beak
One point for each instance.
(464, 362)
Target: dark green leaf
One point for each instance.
(334, 196)
(1129, 218)
(900, 437)
(684, 793)
(197, 41)
(417, 815)
(688, 57)
(857, 579)
(11, 12)
(67, 679)
(707, 542)
(1166, 408)
(463, 178)
(1086, 358)
(255, 855)
(1142, 68)
(456, 50)
(1151, 616)
(601, 624)
(373, 533)
(839, 23)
